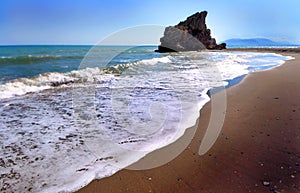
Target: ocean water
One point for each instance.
(71, 114)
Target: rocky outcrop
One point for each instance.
(189, 35)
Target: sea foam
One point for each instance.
(62, 130)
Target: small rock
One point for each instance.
(266, 183)
(62, 139)
(149, 179)
(81, 170)
(293, 176)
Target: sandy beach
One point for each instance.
(258, 149)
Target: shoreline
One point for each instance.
(239, 161)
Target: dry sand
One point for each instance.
(258, 149)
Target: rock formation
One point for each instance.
(189, 35)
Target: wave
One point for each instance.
(33, 58)
(46, 81)
(154, 61)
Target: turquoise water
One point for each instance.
(71, 114)
(28, 61)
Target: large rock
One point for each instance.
(189, 35)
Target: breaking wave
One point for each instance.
(46, 81)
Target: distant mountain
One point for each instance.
(255, 42)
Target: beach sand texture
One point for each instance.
(258, 149)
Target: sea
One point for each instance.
(72, 114)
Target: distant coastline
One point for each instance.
(258, 43)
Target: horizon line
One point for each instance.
(74, 45)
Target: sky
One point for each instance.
(90, 21)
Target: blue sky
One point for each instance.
(88, 21)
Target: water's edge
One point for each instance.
(233, 82)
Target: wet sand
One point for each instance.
(258, 149)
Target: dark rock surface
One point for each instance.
(189, 35)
